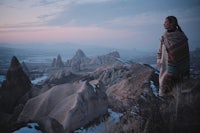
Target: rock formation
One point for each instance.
(81, 62)
(71, 105)
(109, 58)
(53, 64)
(78, 62)
(154, 114)
(129, 89)
(144, 111)
(25, 69)
(116, 72)
(14, 87)
(114, 54)
(123, 94)
(57, 62)
(61, 76)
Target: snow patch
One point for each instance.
(136, 108)
(154, 89)
(101, 127)
(94, 87)
(143, 97)
(39, 79)
(114, 116)
(30, 128)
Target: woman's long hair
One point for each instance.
(173, 20)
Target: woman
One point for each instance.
(173, 56)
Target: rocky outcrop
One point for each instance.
(133, 90)
(53, 64)
(14, 87)
(114, 54)
(109, 58)
(25, 69)
(81, 62)
(123, 94)
(153, 114)
(57, 62)
(61, 76)
(144, 111)
(71, 105)
(116, 72)
(78, 62)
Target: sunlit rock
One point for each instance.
(122, 94)
(71, 105)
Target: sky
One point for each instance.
(123, 24)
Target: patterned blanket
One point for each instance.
(176, 44)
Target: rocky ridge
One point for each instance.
(80, 62)
(131, 89)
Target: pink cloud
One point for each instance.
(62, 34)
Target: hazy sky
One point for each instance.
(111, 23)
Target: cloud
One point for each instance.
(80, 35)
(46, 2)
(89, 12)
(95, 21)
(22, 29)
(91, 1)
(143, 19)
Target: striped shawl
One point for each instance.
(176, 44)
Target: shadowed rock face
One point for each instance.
(14, 87)
(71, 105)
(25, 69)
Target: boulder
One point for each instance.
(71, 105)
